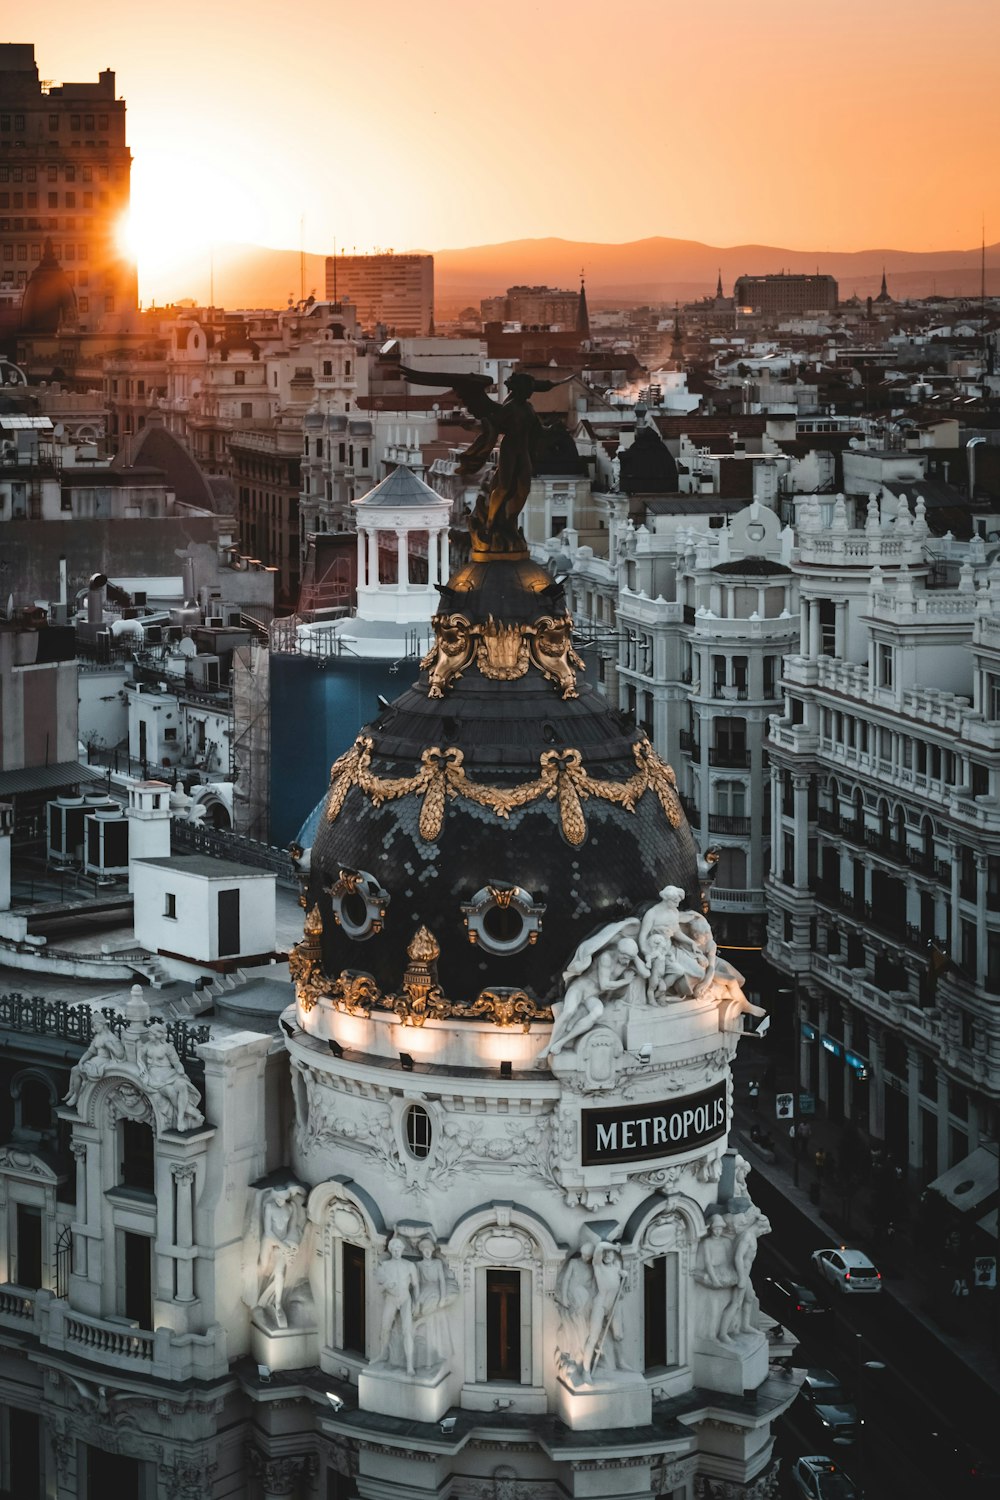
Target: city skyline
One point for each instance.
(330, 157)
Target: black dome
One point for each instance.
(48, 298)
(647, 465)
(432, 851)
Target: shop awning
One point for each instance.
(969, 1183)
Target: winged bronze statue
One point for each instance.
(493, 524)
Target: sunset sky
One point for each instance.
(392, 123)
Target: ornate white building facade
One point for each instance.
(468, 1225)
(884, 894)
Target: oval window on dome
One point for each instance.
(503, 918)
(359, 903)
(417, 1127)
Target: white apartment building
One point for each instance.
(886, 831)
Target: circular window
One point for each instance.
(353, 911)
(359, 903)
(504, 924)
(503, 918)
(417, 1124)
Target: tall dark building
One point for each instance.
(786, 294)
(64, 183)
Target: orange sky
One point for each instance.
(402, 124)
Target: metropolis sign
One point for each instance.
(638, 1132)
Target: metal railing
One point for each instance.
(238, 847)
(75, 1023)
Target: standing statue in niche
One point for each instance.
(588, 1295)
(162, 1074)
(743, 1309)
(714, 1270)
(515, 425)
(602, 969)
(573, 1294)
(604, 1334)
(436, 1293)
(104, 1051)
(723, 1265)
(283, 1222)
(399, 1283)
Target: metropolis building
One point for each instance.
(469, 1226)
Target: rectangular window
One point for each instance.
(239, 377)
(660, 1304)
(354, 1293)
(74, 122)
(137, 1165)
(25, 1455)
(503, 1325)
(53, 122)
(169, 899)
(70, 174)
(113, 1474)
(246, 409)
(137, 1265)
(884, 666)
(29, 1246)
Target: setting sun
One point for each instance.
(183, 205)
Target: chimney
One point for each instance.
(95, 599)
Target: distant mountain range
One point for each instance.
(650, 270)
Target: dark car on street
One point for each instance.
(825, 1409)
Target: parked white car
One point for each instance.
(817, 1477)
(847, 1270)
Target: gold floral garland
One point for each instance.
(562, 779)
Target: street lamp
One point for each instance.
(796, 1064)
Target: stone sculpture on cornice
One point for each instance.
(602, 969)
(665, 957)
(104, 1052)
(146, 1061)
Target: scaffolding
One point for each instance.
(251, 743)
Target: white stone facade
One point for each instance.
(884, 895)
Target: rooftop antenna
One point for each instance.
(302, 258)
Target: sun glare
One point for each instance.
(180, 208)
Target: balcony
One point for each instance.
(728, 898)
(114, 1342)
(691, 812)
(729, 823)
(737, 757)
(689, 743)
(730, 694)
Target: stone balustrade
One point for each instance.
(114, 1342)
